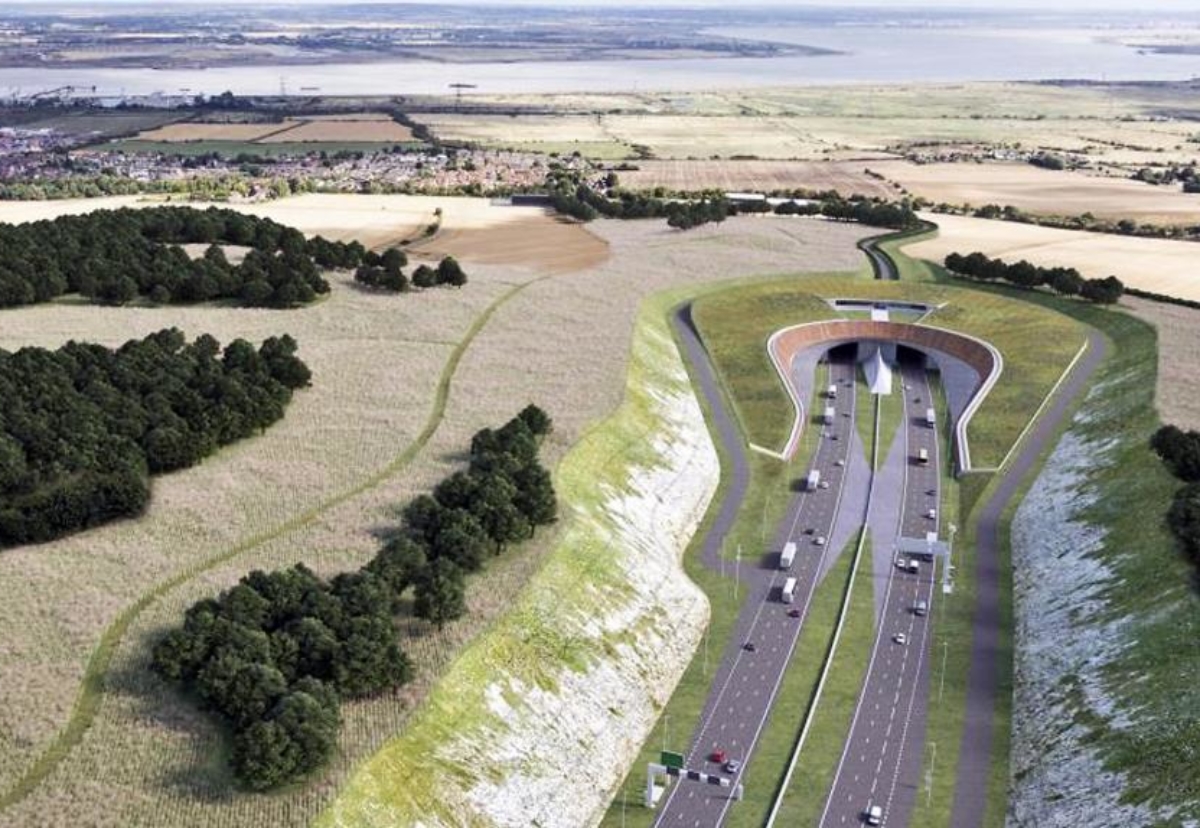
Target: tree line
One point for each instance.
(1180, 450)
(83, 428)
(275, 655)
(386, 272)
(571, 196)
(1066, 281)
(116, 256)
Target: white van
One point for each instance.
(874, 815)
(921, 608)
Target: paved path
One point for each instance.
(975, 754)
(746, 682)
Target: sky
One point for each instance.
(1055, 6)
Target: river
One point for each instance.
(868, 54)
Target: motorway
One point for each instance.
(880, 763)
(745, 684)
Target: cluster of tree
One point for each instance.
(386, 272)
(1180, 450)
(86, 185)
(115, 256)
(1048, 161)
(684, 215)
(1064, 280)
(1184, 174)
(502, 497)
(82, 428)
(277, 654)
(892, 215)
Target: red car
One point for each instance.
(717, 756)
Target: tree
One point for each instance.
(399, 564)
(441, 593)
(461, 538)
(1106, 291)
(449, 272)
(424, 277)
(536, 420)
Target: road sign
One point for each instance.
(671, 760)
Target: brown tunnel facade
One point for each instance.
(982, 357)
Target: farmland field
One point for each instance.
(847, 177)
(195, 131)
(315, 489)
(1178, 359)
(339, 130)
(1045, 192)
(1156, 265)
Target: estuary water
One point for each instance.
(866, 54)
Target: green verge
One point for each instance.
(805, 796)
(753, 386)
(91, 690)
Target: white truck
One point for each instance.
(832, 393)
(787, 555)
(813, 480)
(923, 456)
(788, 593)
(829, 415)
(930, 417)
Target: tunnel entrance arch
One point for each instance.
(910, 340)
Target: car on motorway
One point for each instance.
(750, 647)
(733, 766)
(900, 638)
(840, 463)
(717, 755)
(931, 514)
(921, 608)
(824, 484)
(820, 541)
(873, 815)
(794, 612)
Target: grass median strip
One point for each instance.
(811, 781)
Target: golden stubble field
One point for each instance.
(1046, 192)
(847, 177)
(317, 488)
(1178, 359)
(1157, 265)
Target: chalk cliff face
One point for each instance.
(568, 748)
(1063, 643)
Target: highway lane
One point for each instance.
(745, 684)
(880, 762)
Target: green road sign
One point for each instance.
(672, 760)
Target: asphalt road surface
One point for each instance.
(880, 763)
(746, 682)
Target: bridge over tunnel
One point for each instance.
(969, 367)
